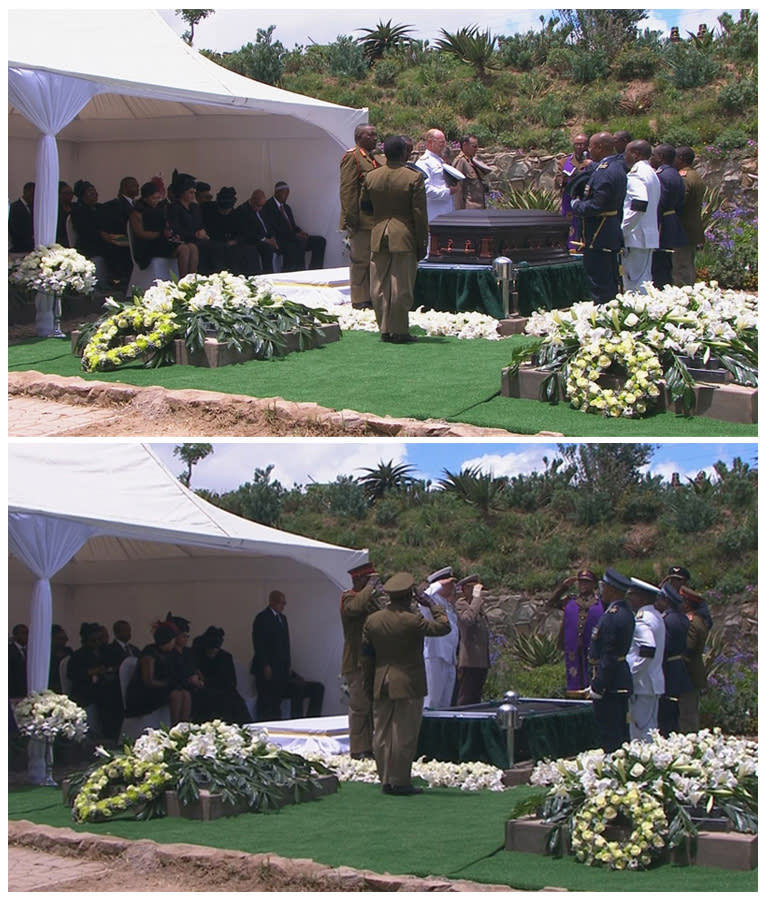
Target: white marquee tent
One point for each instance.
(101, 532)
(100, 94)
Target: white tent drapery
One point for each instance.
(109, 525)
(119, 87)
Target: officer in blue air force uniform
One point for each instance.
(601, 206)
(611, 684)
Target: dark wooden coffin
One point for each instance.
(478, 236)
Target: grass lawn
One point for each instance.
(444, 832)
(437, 377)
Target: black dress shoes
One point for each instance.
(386, 337)
(363, 305)
(361, 755)
(401, 338)
(406, 790)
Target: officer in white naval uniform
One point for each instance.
(440, 651)
(640, 224)
(646, 660)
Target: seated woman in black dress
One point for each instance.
(230, 252)
(93, 238)
(153, 236)
(94, 682)
(154, 681)
(218, 670)
(186, 219)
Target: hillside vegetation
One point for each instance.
(583, 69)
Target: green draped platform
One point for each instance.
(556, 734)
(459, 289)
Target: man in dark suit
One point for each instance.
(21, 229)
(271, 666)
(293, 242)
(671, 201)
(252, 229)
(121, 646)
(17, 662)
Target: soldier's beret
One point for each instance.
(690, 596)
(671, 594)
(362, 570)
(442, 574)
(470, 578)
(678, 571)
(399, 584)
(643, 586)
(616, 580)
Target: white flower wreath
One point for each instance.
(644, 371)
(120, 784)
(647, 837)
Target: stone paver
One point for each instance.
(45, 417)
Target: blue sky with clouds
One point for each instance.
(319, 460)
(231, 28)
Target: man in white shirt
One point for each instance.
(431, 163)
(440, 651)
(639, 224)
(646, 660)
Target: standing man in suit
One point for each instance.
(684, 259)
(356, 604)
(611, 684)
(393, 664)
(601, 208)
(395, 197)
(121, 646)
(251, 227)
(17, 662)
(271, 663)
(355, 163)
(671, 232)
(640, 223)
(292, 241)
(474, 649)
(21, 230)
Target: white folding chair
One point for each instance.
(160, 269)
(134, 725)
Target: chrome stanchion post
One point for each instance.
(503, 271)
(509, 718)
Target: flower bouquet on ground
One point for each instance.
(464, 775)
(627, 809)
(612, 359)
(241, 312)
(463, 325)
(47, 715)
(54, 270)
(237, 762)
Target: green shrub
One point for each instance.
(732, 249)
(471, 98)
(476, 540)
(345, 58)
(385, 72)
(640, 504)
(733, 138)
(636, 63)
(601, 103)
(738, 94)
(409, 95)
(553, 110)
(690, 67)
(587, 66)
(730, 701)
(690, 512)
(386, 512)
(607, 543)
(544, 682)
(533, 650)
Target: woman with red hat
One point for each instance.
(581, 612)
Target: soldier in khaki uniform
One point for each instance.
(695, 609)
(393, 665)
(684, 259)
(395, 196)
(356, 604)
(355, 163)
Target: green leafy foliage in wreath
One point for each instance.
(241, 312)
(123, 784)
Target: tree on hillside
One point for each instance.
(471, 485)
(385, 477)
(603, 31)
(260, 501)
(193, 17)
(607, 468)
(191, 453)
(385, 36)
(262, 60)
(470, 45)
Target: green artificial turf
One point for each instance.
(436, 377)
(443, 832)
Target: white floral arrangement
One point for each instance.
(465, 775)
(649, 336)
(241, 311)
(54, 270)
(46, 715)
(465, 325)
(214, 740)
(650, 786)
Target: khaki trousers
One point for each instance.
(360, 714)
(396, 725)
(360, 266)
(393, 276)
(684, 266)
(689, 712)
